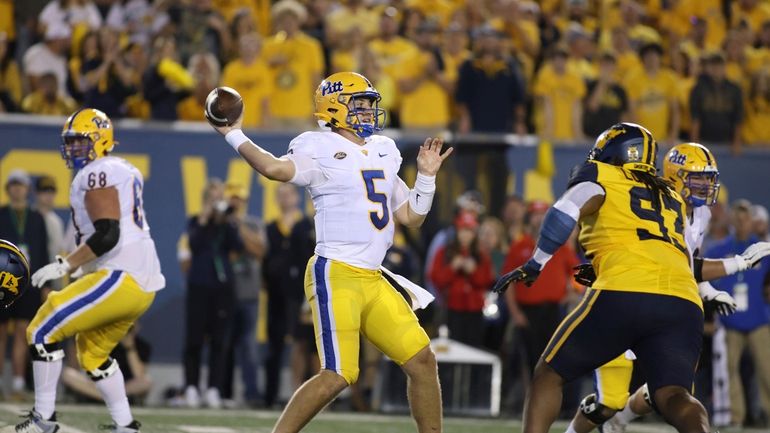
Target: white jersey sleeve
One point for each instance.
(308, 171)
(135, 251)
(696, 228)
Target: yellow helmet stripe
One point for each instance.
(72, 119)
(645, 146)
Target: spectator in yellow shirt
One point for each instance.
(47, 100)
(752, 13)
(391, 49)
(559, 94)
(346, 56)
(204, 68)
(242, 24)
(296, 64)
(755, 128)
(652, 92)
(425, 90)
(353, 14)
(10, 80)
(249, 75)
(627, 59)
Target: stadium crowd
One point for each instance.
(562, 69)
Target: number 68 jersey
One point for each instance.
(632, 246)
(135, 251)
(355, 190)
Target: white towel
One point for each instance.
(420, 297)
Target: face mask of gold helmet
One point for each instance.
(347, 100)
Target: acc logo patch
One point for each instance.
(633, 153)
(10, 282)
(340, 155)
(677, 158)
(331, 87)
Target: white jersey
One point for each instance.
(135, 252)
(355, 190)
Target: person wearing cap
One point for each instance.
(25, 227)
(464, 274)
(761, 221)
(45, 194)
(559, 92)
(652, 94)
(537, 310)
(716, 105)
(247, 282)
(749, 326)
(49, 56)
(296, 62)
(290, 244)
(605, 103)
(490, 87)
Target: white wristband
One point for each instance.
(235, 138)
(421, 196)
(734, 264)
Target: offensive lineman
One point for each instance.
(692, 170)
(352, 177)
(121, 275)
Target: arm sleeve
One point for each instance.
(307, 171)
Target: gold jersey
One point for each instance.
(632, 246)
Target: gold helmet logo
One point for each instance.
(10, 282)
(633, 153)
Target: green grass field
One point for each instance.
(86, 419)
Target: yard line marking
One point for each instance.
(204, 429)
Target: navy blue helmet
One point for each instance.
(14, 273)
(626, 145)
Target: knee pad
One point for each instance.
(46, 352)
(594, 411)
(107, 369)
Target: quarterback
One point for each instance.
(352, 177)
(120, 269)
(632, 227)
(691, 169)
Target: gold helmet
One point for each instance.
(692, 169)
(87, 135)
(335, 104)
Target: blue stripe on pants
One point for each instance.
(72, 308)
(323, 313)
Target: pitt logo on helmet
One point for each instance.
(86, 136)
(677, 158)
(347, 100)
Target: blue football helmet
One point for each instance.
(626, 145)
(14, 273)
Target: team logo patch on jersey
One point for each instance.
(340, 155)
(677, 158)
(10, 282)
(633, 153)
(331, 87)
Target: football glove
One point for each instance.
(51, 271)
(527, 273)
(721, 301)
(755, 252)
(585, 274)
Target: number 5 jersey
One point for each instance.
(355, 190)
(135, 252)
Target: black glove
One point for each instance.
(585, 274)
(527, 273)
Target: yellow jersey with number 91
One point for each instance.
(633, 246)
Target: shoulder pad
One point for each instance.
(586, 172)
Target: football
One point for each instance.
(224, 106)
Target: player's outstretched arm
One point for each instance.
(264, 162)
(429, 161)
(711, 269)
(103, 207)
(584, 198)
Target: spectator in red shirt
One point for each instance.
(464, 274)
(536, 310)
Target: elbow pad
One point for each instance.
(556, 229)
(106, 236)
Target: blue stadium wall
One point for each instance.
(177, 159)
